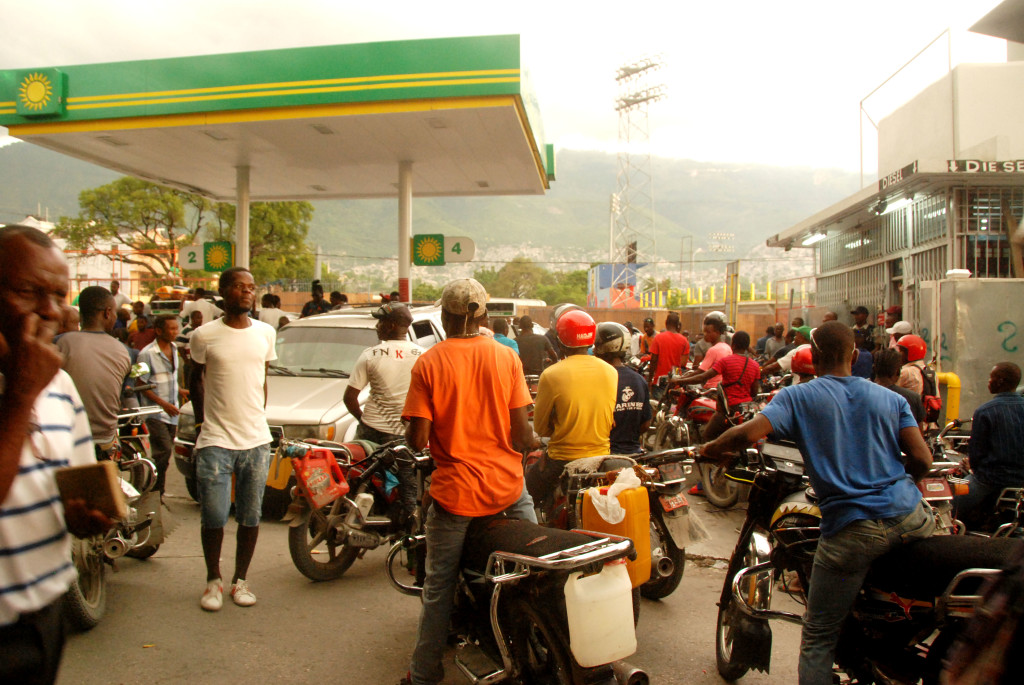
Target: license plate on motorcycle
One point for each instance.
(935, 489)
(672, 502)
(671, 471)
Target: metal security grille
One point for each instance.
(983, 217)
(930, 265)
(882, 235)
(929, 219)
(864, 286)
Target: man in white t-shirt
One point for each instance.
(210, 310)
(386, 368)
(270, 312)
(228, 385)
(120, 299)
(802, 340)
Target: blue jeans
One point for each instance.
(445, 535)
(214, 468)
(841, 563)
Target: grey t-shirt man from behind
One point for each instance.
(97, 362)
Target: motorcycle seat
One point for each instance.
(924, 569)
(499, 533)
(598, 464)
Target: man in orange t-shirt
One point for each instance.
(469, 398)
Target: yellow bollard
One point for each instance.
(952, 383)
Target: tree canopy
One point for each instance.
(522, 278)
(143, 216)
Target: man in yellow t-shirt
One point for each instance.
(575, 405)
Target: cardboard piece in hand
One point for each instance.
(98, 485)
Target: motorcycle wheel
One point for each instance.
(728, 668)
(311, 539)
(539, 647)
(665, 438)
(658, 588)
(731, 666)
(719, 490)
(85, 602)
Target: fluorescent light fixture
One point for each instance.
(813, 238)
(857, 243)
(896, 204)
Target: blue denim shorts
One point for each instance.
(214, 468)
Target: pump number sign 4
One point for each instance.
(434, 249)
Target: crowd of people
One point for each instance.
(468, 397)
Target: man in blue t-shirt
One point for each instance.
(632, 413)
(867, 497)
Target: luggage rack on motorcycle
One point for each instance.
(602, 548)
(960, 604)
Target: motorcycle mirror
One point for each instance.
(139, 370)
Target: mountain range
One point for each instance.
(567, 226)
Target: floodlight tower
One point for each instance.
(633, 239)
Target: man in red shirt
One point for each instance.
(669, 349)
(740, 380)
(468, 397)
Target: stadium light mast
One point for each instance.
(634, 239)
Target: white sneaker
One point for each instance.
(241, 594)
(213, 596)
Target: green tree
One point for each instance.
(519, 278)
(424, 292)
(138, 215)
(277, 237)
(565, 287)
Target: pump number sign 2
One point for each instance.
(435, 249)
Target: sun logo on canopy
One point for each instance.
(217, 257)
(428, 250)
(35, 91)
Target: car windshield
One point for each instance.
(320, 351)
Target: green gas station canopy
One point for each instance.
(309, 123)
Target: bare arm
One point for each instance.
(652, 367)
(698, 377)
(418, 433)
(351, 400)
(30, 368)
(737, 438)
(197, 390)
(523, 437)
(919, 459)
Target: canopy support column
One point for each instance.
(242, 216)
(405, 230)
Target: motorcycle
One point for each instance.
(664, 475)
(139, 534)
(349, 498)
(516, 617)
(902, 622)
(684, 424)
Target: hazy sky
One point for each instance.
(748, 80)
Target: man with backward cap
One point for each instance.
(469, 398)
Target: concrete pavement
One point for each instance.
(356, 629)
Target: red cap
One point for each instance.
(895, 309)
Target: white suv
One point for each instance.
(305, 387)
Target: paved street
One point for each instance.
(353, 630)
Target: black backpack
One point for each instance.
(930, 397)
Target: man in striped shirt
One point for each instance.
(43, 427)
